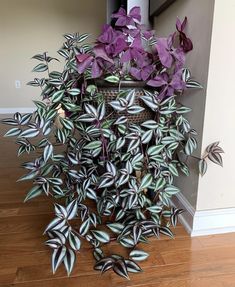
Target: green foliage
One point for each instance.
(116, 176)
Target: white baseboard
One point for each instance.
(14, 110)
(215, 221)
(186, 218)
(204, 222)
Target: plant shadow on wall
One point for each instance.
(111, 139)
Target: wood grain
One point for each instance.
(25, 260)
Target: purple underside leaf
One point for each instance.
(185, 42)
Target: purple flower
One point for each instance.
(124, 19)
(168, 85)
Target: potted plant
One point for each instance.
(110, 138)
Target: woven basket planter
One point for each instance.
(110, 93)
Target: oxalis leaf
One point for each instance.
(138, 255)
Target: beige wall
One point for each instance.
(200, 17)
(28, 27)
(216, 189)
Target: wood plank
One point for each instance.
(82, 281)
(22, 224)
(30, 208)
(177, 272)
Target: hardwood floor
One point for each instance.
(25, 261)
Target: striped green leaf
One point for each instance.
(112, 79)
(202, 166)
(47, 153)
(101, 236)
(138, 255)
(34, 192)
(40, 68)
(69, 260)
(146, 181)
(57, 96)
(93, 145)
(57, 257)
(155, 150)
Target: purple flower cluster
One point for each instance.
(130, 50)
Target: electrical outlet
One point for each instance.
(17, 84)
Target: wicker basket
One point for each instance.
(110, 92)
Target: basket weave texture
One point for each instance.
(110, 93)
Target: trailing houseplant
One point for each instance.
(108, 149)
